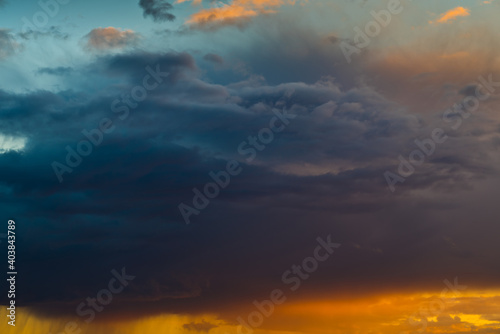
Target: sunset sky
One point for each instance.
(308, 166)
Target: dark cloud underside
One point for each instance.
(158, 10)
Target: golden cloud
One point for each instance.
(453, 14)
(110, 38)
(237, 12)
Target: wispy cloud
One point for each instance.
(235, 13)
(453, 14)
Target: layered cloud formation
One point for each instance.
(327, 166)
(177, 112)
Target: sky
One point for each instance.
(250, 166)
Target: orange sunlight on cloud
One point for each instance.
(453, 14)
(445, 311)
(234, 13)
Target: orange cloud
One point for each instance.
(453, 14)
(110, 38)
(434, 312)
(234, 13)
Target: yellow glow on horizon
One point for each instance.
(475, 319)
(388, 314)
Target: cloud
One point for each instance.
(203, 326)
(159, 10)
(52, 31)
(327, 163)
(211, 57)
(110, 38)
(58, 71)
(8, 44)
(9, 143)
(237, 12)
(321, 175)
(453, 14)
(325, 171)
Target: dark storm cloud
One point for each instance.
(321, 175)
(469, 90)
(134, 65)
(159, 10)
